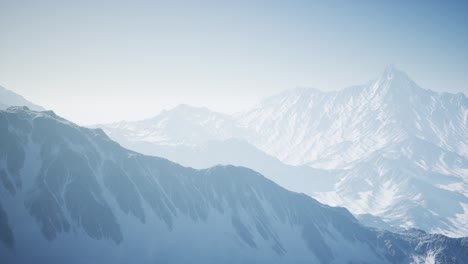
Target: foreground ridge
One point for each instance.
(70, 194)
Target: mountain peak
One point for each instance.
(392, 80)
(391, 72)
(185, 108)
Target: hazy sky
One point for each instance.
(101, 61)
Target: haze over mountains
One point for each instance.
(9, 98)
(72, 195)
(388, 148)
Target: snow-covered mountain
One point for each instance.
(389, 147)
(335, 129)
(9, 98)
(184, 125)
(71, 195)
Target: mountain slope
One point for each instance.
(70, 194)
(9, 98)
(411, 184)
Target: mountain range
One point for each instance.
(72, 195)
(389, 151)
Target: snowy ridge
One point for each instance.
(70, 194)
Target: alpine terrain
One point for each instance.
(71, 195)
(390, 151)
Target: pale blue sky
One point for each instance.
(101, 61)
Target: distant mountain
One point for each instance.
(72, 195)
(335, 129)
(9, 98)
(389, 147)
(183, 125)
